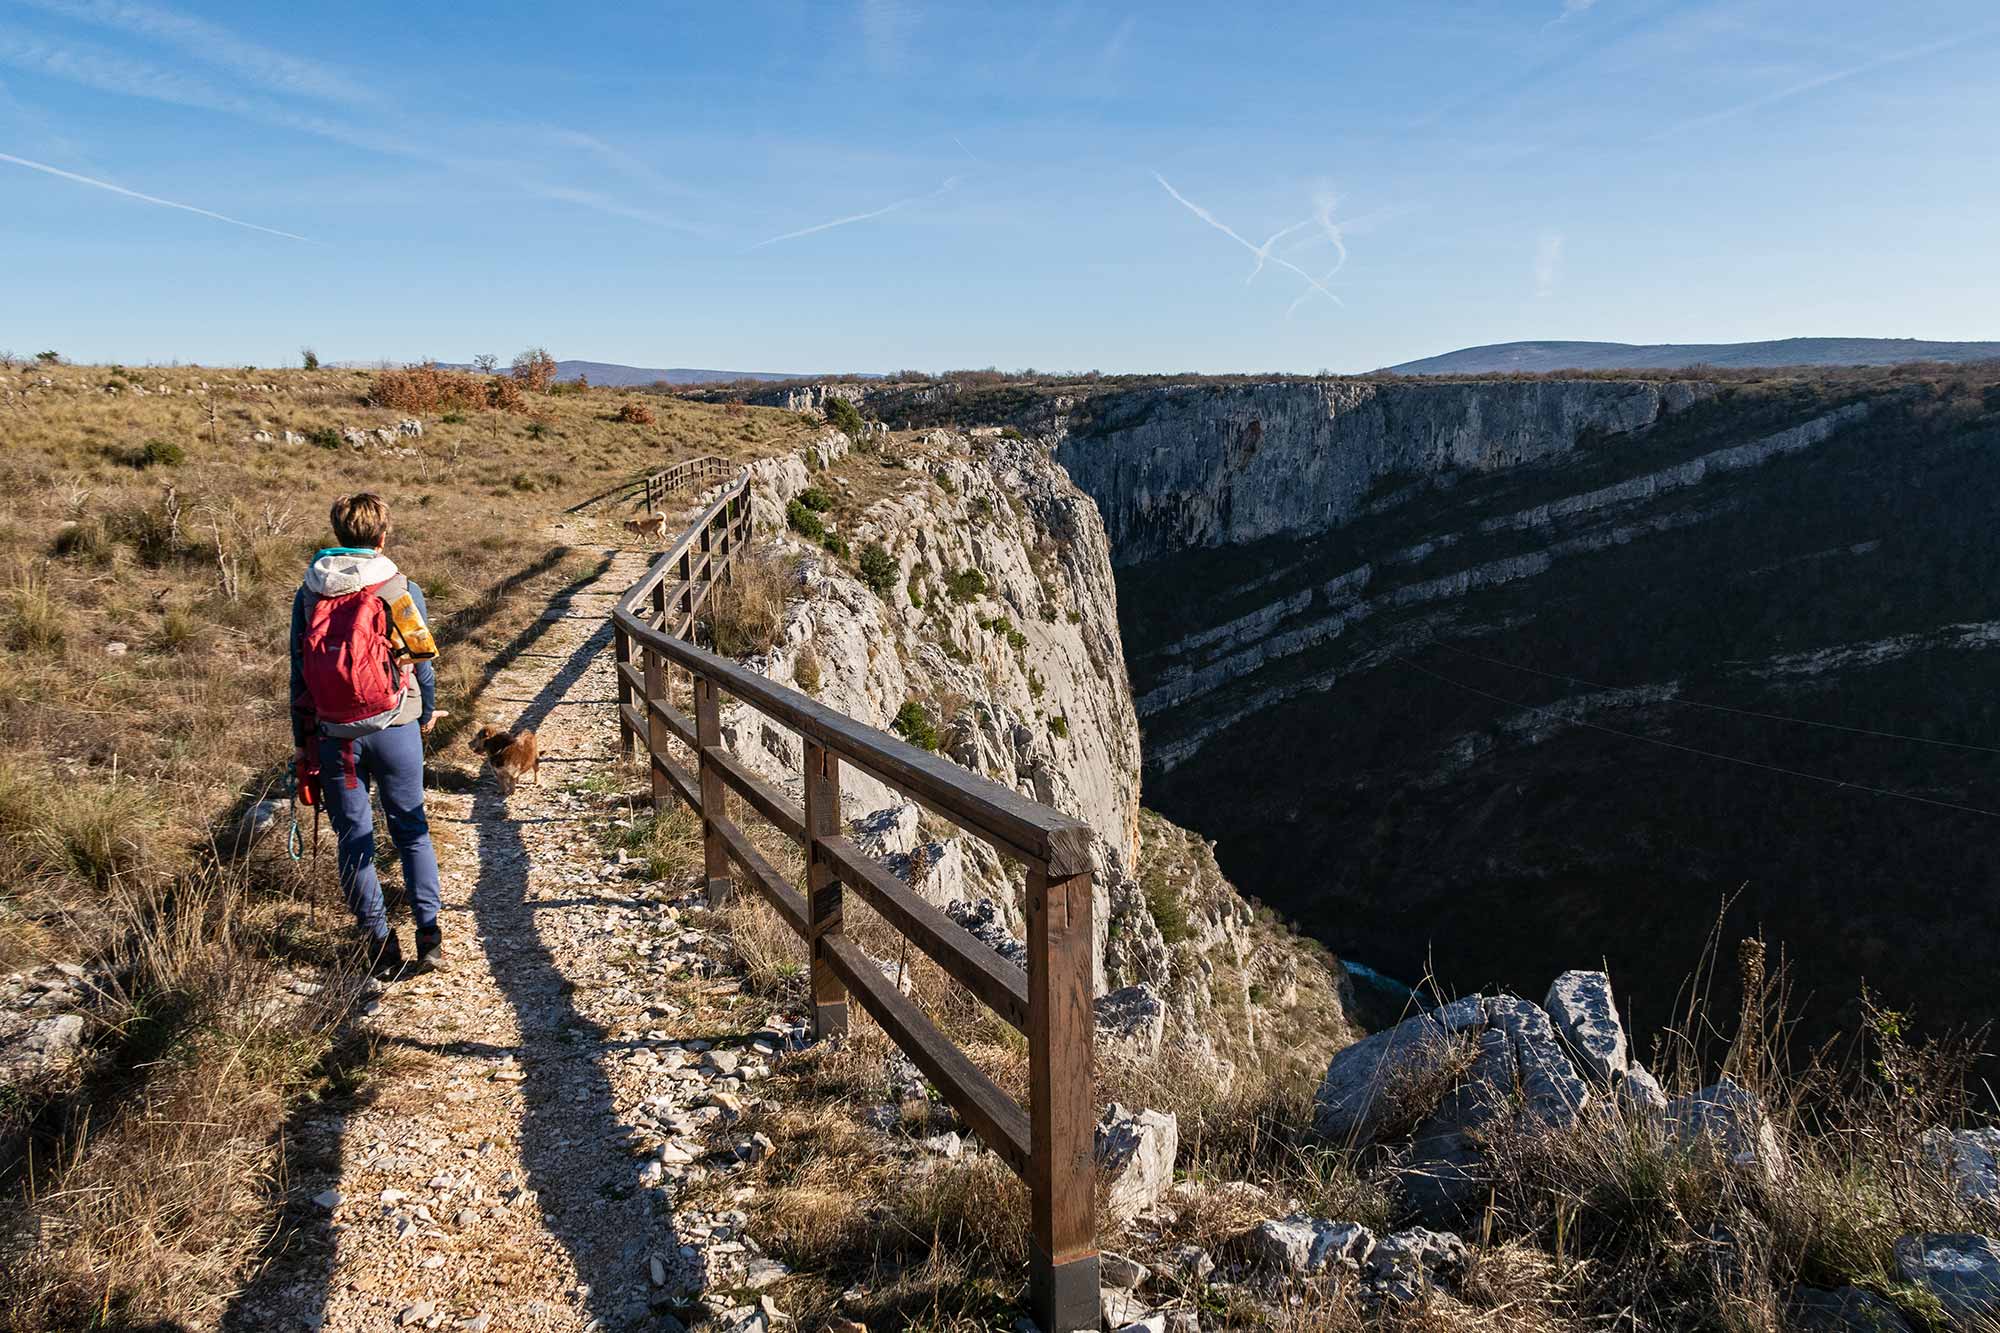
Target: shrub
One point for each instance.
(326, 437)
(1010, 433)
(844, 418)
(914, 725)
(48, 358)
(747, 614)
(804, 521)
(815, 499)
(164, 453)
(1004, 627)
(1059, 727)
(806, 671)
(535, 369)
(308, 358)
(537, 430)
(35, 617)
(503, 394)
(1169, 913)
(915, 590)
(636, 414)
(878, 568)
(523, 481)
(426, 390)
(835, 544)
(453, 418)
(965, 586)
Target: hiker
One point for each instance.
(364, 695)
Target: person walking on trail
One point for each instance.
(364, 695)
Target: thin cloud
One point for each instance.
(1572, 8)
(108, 72)
(1821, 81)
(1548, 262)
(885, 32)
(950, 184)
(1262, 252)
(148, 198)
(213, 44)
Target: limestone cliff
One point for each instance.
(996, 631)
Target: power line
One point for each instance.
(1740, 712)
(1706, 754)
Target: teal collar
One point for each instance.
(346, 550)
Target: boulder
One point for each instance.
(410, 426)
(1848, 1310)
(1299, 1246)
(1583, 1011)
(1135, 1156)
(1132, 1021)
(1733, 1117)
(1970, 1160)
(1350, 1106)
(1961, 1270)
(1551, 1089)
(1639, 1092)
(1402, 1266)
(1444, 1173)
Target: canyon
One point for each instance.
(1474, 679)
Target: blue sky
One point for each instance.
(886, 184)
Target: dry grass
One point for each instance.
(746, 615)
(155, 521)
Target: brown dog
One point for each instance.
(514, 755)
(653, 525)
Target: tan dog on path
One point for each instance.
(653, 525)
(514, 755)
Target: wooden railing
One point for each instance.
(679, 476)
(1049, 1144)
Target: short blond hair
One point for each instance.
(361, 520)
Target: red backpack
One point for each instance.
(349, 662)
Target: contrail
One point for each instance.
(1230, 232)
(147, 198)
(1264, 250)
(950, 184)
(1821, 81)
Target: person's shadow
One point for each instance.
(587, 1186)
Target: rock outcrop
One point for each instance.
(996, 625)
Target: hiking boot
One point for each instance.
(430, 948)
(384, 957)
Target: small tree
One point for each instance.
(486, 363)
(309, 358)
(536, 369)
(878, 568)
(48, 358)
(845, 418)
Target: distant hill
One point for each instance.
(1539, 357)
(615, 376)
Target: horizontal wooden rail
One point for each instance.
(1049, 1143)
(679, 476)
(1000, 985)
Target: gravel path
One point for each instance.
(519, 1153)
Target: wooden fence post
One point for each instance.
(714, 794)
(1062, 1174)
(822, 889)
(657, 734)
(624, 659)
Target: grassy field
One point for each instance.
(156, 525)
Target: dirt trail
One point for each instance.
(518, 1159)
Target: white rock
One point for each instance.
(1581, 1006)
(1135, 1156)
(1962, 1271)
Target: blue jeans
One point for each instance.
(391, 762)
